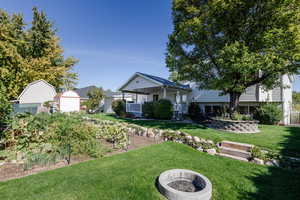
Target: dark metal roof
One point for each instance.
(165, 82)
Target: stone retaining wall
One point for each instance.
(235, 126)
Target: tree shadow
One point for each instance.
(161, 124)
(279, 183)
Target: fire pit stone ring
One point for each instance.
(183, 184)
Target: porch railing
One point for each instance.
(137, 108)
(134, 107)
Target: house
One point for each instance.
(37, 92)
(152, 88)
(33, 97)
(105, 105)
(68, 101)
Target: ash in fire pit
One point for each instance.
(185, 186)
(182, 184)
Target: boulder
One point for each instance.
(200, 149)
(211, 151)
(258, 161)
(188, 137)
(196, 139)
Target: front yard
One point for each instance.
(132, 175)
(285, 140)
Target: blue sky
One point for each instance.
(111, 38)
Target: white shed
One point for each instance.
(68, 101)
(37, 92)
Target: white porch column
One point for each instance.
(165, 93)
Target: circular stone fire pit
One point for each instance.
(182, 184)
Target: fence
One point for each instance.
(295, 118)
(26, 108)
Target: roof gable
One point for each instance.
(158, 81)
(33, 83)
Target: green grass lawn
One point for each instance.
(132, 176)
(277, 138)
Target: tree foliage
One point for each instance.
(5, 108)
(31, 53)
(96, 95)
(296, 97)
(232, 45)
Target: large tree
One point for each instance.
(96, 95)
(232, 45)
(28, 54)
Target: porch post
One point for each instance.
(136, 97)
(123, 96)
(165, 93)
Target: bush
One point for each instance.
(268, 114)
(241, 117)
(194, 111)
(119, 107)
(148, 110)
(163, 109)
(5, 109)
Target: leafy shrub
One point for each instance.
(148, 110)
(268, 114)
(60, 131)
(119, 107)
(240, 117)
(5, 109)
(194, 111)
(163, 109)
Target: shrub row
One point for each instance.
(161, 109)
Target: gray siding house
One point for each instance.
(147, 87)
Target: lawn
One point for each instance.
(285, 140)
(132, 175)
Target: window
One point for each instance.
(155, 97)
(208, 109)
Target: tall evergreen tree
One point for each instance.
(30, 54)
(232, 45)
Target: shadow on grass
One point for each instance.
(279, 183)
(161, 124)
(291, 144)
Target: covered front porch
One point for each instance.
(147, 88)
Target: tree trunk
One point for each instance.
(234, 102)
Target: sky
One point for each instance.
(112, 39)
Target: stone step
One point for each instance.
(236, 145)
(235, 152)
(233, 157)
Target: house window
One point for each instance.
(155, 97)
(208, 109)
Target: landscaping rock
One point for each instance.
(211, 151)
(273, 163)
(197, 139)
(200, 149)
(210, 141)
(258, 161)
(188, 137)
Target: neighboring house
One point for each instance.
(33, 97)
(68, 101)
(106, 103)
(152, 88)
(37, 92)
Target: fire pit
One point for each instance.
(179, 184)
